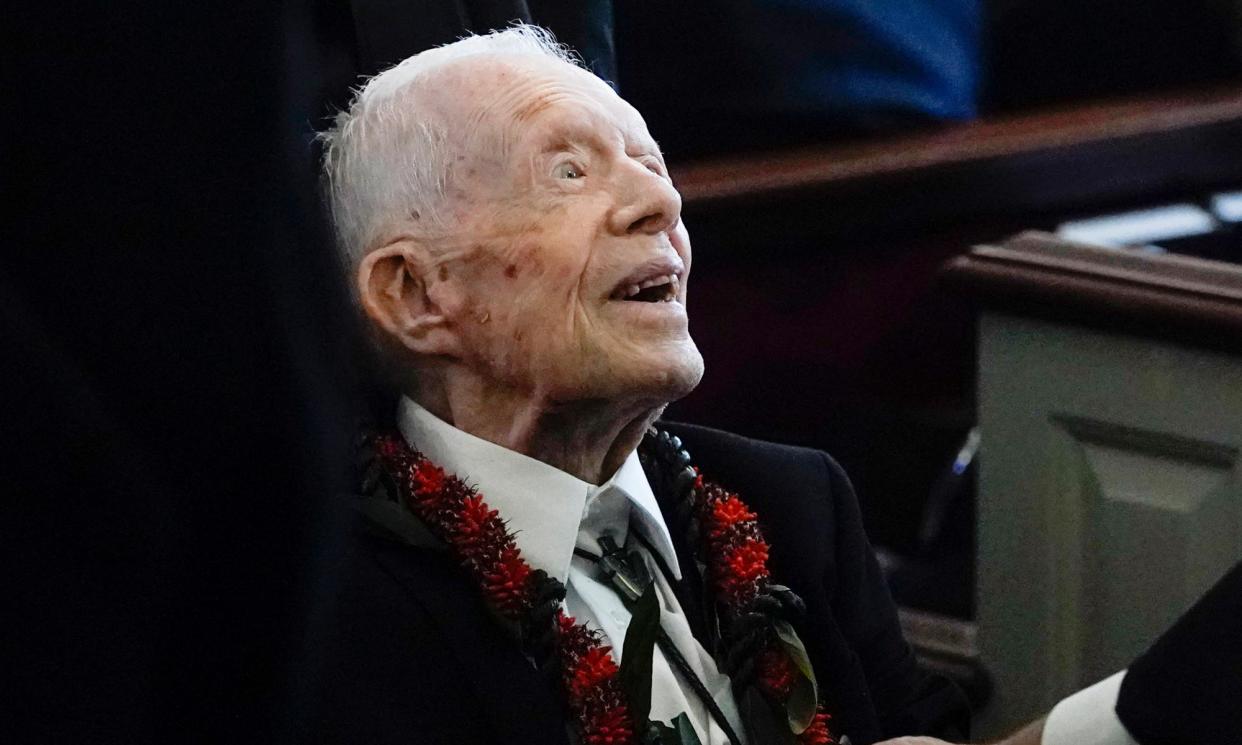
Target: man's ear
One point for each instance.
(392, 285)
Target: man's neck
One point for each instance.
(587, 439)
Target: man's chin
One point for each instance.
(650, 380)
(689, 378)
(673, 379)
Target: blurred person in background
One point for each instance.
(762, 74)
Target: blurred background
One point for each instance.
(173, 463)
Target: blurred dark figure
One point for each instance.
(177, 402)
(363, 37)
(1042, 53)
(173, 405)
(1186, 687)
(756, 74)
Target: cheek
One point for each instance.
(680, 239)
(511, 289)
(535, 274)
(531, 290)
(521, 264)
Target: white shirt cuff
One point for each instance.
(1088, 717)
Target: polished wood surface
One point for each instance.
(1040, 133)
(1179, 298)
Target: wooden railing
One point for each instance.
(1210, 117)
(1174, 298)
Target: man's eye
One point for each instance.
(567, 170)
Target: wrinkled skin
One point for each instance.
(512, 324)
(1031, 734)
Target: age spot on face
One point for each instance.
(511, 271)
(443, 273)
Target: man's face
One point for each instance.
(570, 274)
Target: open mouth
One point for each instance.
(660, 289)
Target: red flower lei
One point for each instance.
(737, 567)
(736, 564)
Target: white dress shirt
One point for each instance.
(1088, 717)
(550, 512)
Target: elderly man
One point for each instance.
(539, 563)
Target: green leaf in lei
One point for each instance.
(637, 653)
(804, 698)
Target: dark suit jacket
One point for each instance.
(415, 656)
(1187, 688)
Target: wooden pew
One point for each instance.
(1110, 491)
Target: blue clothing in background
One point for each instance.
(727, 74)
(841, 55)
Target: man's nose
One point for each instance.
(649, 204)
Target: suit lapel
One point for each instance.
(838, 672)
(838, 669)
(689, 590)
(518, 701)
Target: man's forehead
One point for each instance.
(542, 94)
(552, 118)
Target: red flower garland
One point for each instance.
(591, 682)
(737, 567)
(817, 733)
(478, 537)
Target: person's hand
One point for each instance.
(1031, 734)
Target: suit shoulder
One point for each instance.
(715, 447)
(799, 493)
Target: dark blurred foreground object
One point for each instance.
(171, 408)
(174, 413)
(1186, 688)
(715, 76)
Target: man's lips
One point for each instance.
(657, 281)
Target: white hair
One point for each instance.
(385, 157)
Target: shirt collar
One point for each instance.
(645, 511)
(545, 507)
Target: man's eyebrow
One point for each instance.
(570, 133)
(648, 149)
(645, 148)
(640, 142)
